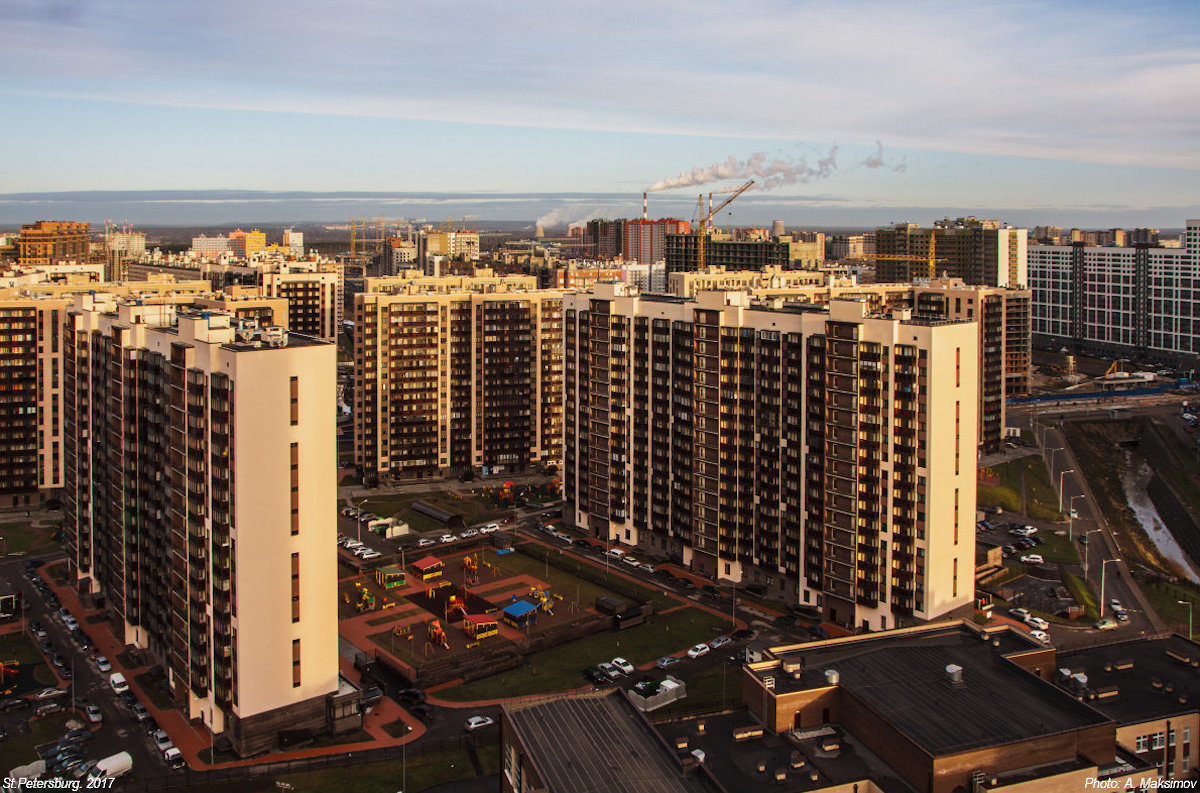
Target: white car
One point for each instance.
(425, 542)
(469, 533)
(174, 758)
(447, 538)
(353, 544)
(1033, 558)
(488, 529)
(1115, 605)
(1037, 623)
(93, 714)
(1040, 636)
(478, 723)
(369, 555)
(623, 665)
(102, 664)
(162, 740)
(698, 650)
(1020, 613)
(1074, 514)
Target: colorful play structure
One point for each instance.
(545, 598)
(470, 570)
(456, 607)
(435, 634)
(8, 676)
(390, 577)
(365, 601)
(520, 613)
(480, 626)
(428, 568)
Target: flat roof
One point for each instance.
(1133, 668)
(735, 763)
(598, 742)
(903, 678)
(520, 608)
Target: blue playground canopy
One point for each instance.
(519, 609)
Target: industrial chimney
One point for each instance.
(539, 230)
(645, 208)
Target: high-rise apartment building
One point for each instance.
(314, 299)
(1141, 302)
(200, 490)
(826, 454)
(247, 243)
(683, 253)
(977, 251)
(604, 239)
(53, 241)
(458, 380)
(644, 240)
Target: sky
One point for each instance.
(862, 111)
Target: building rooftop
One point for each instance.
(903, 678)
(805, 759)
(598, 742)
(1141, 679)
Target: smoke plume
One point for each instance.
(769, 172)
(876, 160)
(571, 216)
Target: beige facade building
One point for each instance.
(455, 376)
(32, 315)
(314, 299)
(689, 284)
(793, 449)
(200, 490)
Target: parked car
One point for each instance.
(1032, 558)
(623, 665)
(93, 714)
(488, 529)
(47, 708)
(447, 538)
(609, 671)
(15, 703)
(425, 542)
(410, 696)
(720, 642)
(140, 712)
(1037, 623)
(1122, 615)
(698, 650)
(422, 712)
(1040, 636)
(51, 693)
(1020, 613)
(174, 758)
(593, 675)
(162, 741)
(666, 662)
(817, 632)
(469, 533)
(118, 683)
(478, 723)
(1115, 605)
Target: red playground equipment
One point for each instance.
(436, 634)
(456, 608)
(470, 570)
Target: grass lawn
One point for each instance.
(17, 647)
(1056, 548)
(567, 585)
(22, 749)
(1165, 597)
(561, 668)
(1041, 495)
(396, 728)
(1082, 592)
(716, 687)
(21, 538)
(417, 773)
(472, 508)
(1006, 494)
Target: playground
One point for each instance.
(436, 607)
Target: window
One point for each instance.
(295, 386)
(295, 663)
(1157, 740)
(954, 582)
(295, 587)
(295, 488)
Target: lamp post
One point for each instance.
(1062, 474)
(358, 518)
(1103, 572)
(1187, 603)
(1050, 458)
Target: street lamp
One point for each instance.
(1050, 458)
(1187, 603)
(1062, 474)
(1103, 571)
(358, 518)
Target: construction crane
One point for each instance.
(929, 261)
(702, 237)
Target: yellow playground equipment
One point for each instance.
(403, 631)
(545, 598)
(436, 634)
(455, 607)
(366, 600)
(470, 570)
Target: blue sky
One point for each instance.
(1086, 108)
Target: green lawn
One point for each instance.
(568, 585)
(560, 668)
(1006, 494)
(1165, 597)
(716, 687)
(1082, 592)
(22, 750)
(415, 774)
(21, 538)
(1056, 548)
(1042, 497)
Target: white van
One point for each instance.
(118, 683)
(615, 553)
